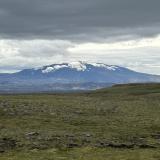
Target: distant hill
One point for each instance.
(71, 76)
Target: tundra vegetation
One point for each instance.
(118, 123)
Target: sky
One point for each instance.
(34, 33)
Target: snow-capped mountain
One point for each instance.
(79, 66)
(80, 72)
(77, 74)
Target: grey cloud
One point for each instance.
(79, 19)
(20, 54)
(34, 26)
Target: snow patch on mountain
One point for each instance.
(48, 69)
(79, 66)
(112, 68)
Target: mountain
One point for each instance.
(71, 76)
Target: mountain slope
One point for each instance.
(77, 74)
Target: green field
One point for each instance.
(118, 123)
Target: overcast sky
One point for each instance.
(34, 33)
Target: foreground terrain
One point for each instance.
(118, 123)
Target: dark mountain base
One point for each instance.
(50, 88)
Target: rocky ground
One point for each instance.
(112, 122)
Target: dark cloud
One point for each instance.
(77, 18)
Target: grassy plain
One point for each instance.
(118, 123)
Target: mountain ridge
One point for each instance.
(79, 75)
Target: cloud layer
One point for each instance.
(66, 19)
(121, 32)
(134, 54)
